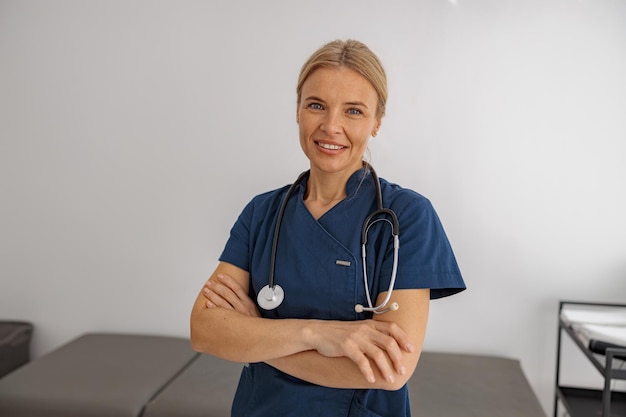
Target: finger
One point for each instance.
(233, 285)
(251, 308)
(373, 344)
(247, 303)
(393, 341)
(382, 360)
(389, 358)
(363, 364)
(215, 300)
(226, 294)
(395, 331)
(243, 305)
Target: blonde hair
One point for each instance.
(351, 54)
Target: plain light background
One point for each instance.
(132, 133)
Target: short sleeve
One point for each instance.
(249, 244)
(425, 257)
(237, 248)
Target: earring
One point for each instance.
(374, 133)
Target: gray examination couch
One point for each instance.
(117, 375)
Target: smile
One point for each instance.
(329, 146)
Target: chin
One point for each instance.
(336, 168)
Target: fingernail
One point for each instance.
(390, 379)
(402, 370)
(205, 290)
(371, 379)
(409, 347)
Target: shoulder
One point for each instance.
(415, 212)
(265, 204)
(269, 197)
(400, 198)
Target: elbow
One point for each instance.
(195, 344)
(200, 342)
(204, 337)
(197, 337)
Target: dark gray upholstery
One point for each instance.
(444, 385)
(96, 375)
(147, 376)
(454, 385)
(205, 389)
(15, 339)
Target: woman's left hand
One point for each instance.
(225, 292)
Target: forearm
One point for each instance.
(239, 338)
(234, 333)
(225, 322)
(343, 372)
(340, 372)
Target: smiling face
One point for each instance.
(337, 115)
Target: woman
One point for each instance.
(315, 355)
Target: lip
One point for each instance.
(329, 147)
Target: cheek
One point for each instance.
(306, 127)
(302, 130)
(362, 136)
(304, 142)
(365, 143)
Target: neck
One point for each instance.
(324, 190)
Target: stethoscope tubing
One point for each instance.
(279, 222)
(381, 308)
(272, 295)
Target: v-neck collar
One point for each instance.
(353, 185)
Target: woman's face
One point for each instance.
(337, 116)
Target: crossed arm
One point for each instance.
(377, 353)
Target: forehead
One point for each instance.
(338, 83)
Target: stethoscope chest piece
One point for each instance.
(269, 298)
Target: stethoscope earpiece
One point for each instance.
(376, 310)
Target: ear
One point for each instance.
(376, 127)
(298, 113)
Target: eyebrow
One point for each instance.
(349, 103)
(356, 103)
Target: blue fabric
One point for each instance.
(317, 287)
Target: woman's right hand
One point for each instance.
(360, 341)
(225, 292)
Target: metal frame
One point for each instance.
(606, 369)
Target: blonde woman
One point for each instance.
(333, 346)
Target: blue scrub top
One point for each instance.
(317, 286)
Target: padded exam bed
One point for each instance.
(120, 375)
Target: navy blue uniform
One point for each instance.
(316, 286)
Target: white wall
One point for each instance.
(133, 132)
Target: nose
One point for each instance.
(331, 123)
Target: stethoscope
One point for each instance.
(272, 295)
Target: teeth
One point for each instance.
(329, 146)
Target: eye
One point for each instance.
(316, 106)
(353, 111)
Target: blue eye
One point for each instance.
(355, 112)
(316, 106)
